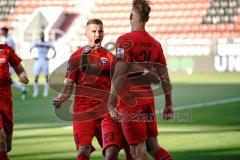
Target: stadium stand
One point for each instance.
(184, 27)
(24, 8)
(6, 8)
(222, 12)
(172, 18)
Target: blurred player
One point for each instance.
(8, 57)
(88, 82)
(41, 62)
(9, 41)
(139, 47)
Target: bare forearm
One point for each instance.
(167, 88)
(22, 75)
(168, 99)
(66, 91)
(166, 84)
(64, 94)
(19, 69)
(117, 84)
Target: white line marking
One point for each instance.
(67, 127)
(197, 105)
(207, 104)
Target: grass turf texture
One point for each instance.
(209, 133)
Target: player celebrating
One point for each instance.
(9, 41)
(112, 136)
(41, 62)
(7, 56)
(138, 46)
(92, 83)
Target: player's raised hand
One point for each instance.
(23, 78)
(168, 113)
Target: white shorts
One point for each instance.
(40, 66)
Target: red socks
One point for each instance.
(162, 154)
(3, 155)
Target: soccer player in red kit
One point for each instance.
(8, 57)
(138, 46)
(89, 70)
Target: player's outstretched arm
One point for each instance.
(65, 93)
(21, 74)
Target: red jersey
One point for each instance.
(7, 56)
(91, 90)
(140, 47)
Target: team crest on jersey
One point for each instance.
(2, 60)
(120, 53)
(104, 60)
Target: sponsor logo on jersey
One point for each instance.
(104, 60)
(120, 53)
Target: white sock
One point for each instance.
(45, 92)
(35, 89)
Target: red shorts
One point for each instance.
(6, 122)
(84, 131)
(6, 99)
(138, 123)
(111, 133)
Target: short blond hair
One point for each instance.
(95, 21)
(143, 8)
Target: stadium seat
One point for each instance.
(172, 18)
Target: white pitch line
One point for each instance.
(197, 105)
(207, 104)
(67, 127)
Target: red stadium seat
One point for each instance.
(171, 18)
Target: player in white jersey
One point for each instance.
(9, 41)
(41, 62)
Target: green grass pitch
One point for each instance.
(206, 133)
